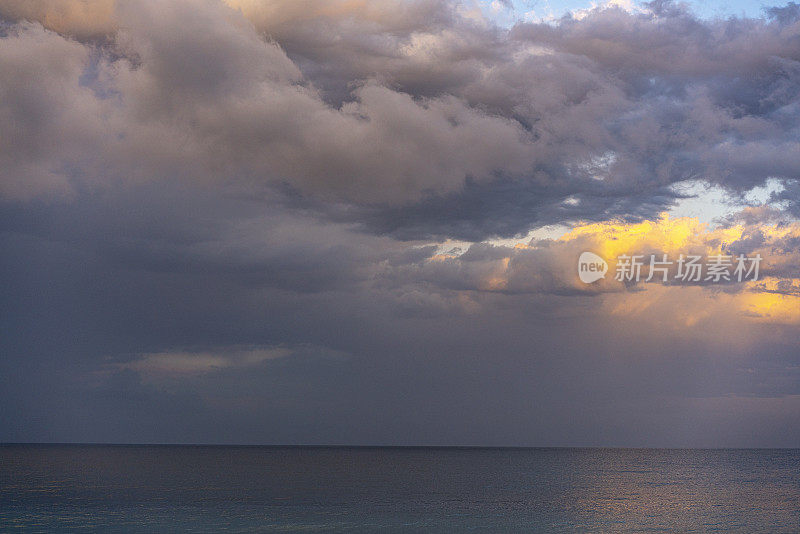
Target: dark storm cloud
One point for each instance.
(383, 343)
(510, 207)
(790, 195)
(223, 222)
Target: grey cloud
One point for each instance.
(509, 207)
(214, 100)
(187, 178)
(430, 356)
(790, 195)
(637, 101)
(406, 112)
(86, 19)
(45, 115)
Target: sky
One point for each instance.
(358, 222)
(507, 12)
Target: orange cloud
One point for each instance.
(550, 267)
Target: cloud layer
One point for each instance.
(392, 103)
(276, 221)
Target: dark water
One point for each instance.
(211, 489)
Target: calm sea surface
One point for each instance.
(274, 489)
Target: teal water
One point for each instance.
(297, 489)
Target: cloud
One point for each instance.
(178, 105)
(191, 189)
(82, 18)
(119, 292)
(399, 109)
(178, 363)
(46, 117)
(549, 265)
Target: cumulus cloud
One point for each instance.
(401, 109)
(195, 91)
(83, 19)
(45, 115)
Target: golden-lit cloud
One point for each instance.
(769, 307)
(549, 266)
(769, 300)
(665, 235)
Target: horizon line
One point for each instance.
(346, 446)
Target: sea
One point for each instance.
(165, 488)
